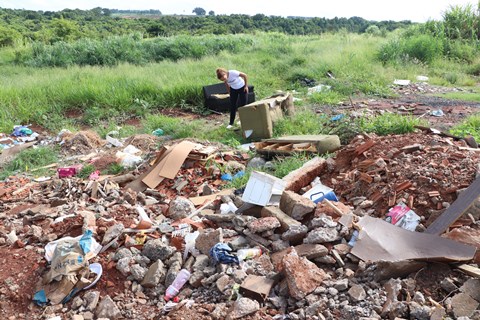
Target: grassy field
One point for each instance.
(272, 61)
(104, 98)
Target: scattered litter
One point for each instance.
(403, 217)
(337, 117)
(319, 88)
(181, 278)
(437, 113)
(113, 141)
(221, 253)
(319, 192)
(158, 132)
(422, 78)
(401, 82)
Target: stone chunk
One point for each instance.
(157, 250)
(264, 224)
(286, 221)
(207, 239)
(301, 177)
(463, 305)
(155, 275)
(180, 208)
(243, 307)
(295, 233)
(296, 206)
(302, 276)
(357, 293)
(108, 309)
(322, 235)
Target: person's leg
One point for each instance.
(233, 105)
(243, 98)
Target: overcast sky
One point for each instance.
(414, 10)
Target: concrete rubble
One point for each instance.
(305, 270)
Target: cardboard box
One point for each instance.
(257, 119)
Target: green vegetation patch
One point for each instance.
(390, 123)
(30, 159)
(469, 126)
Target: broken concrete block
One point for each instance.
(155, 275)
(263, 224)
(301, 177)
(295, 234)
(463, 305)
(357, 293)
(243, 307)
(108, 309)
(470, 287)
(296, 206)
(322, 235)
(207, 239)
(302, 276)
(180, 208)
(309, 251)
(285, 221)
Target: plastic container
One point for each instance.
(244, 254)
(174, 288)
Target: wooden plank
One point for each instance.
(471, 271)
(456, 209)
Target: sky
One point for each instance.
(413, 10)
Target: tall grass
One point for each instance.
(130, 49)
(106, 95)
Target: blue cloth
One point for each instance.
(226, 177)
(239, 174)
(21, 131)
(40, 298)
(221, 253)
(337, 117)
(86, 242)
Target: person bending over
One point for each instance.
(237, 87)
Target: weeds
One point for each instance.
(29, 159)
(389, 123)
(469, 126)
(86, 171)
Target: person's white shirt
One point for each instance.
(234, 80)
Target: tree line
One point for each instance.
(18, 26)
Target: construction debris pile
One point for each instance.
(166, 242)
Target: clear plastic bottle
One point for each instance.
(174, 288)
(250, 253)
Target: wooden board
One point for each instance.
(471, 271)
(456, 209)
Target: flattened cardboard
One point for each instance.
(169, 165)
(379, 240)
(464, 201)
(257, 288)
(201, 200)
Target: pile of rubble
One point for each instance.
(285, 258)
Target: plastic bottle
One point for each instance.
(244, 254)
(174, 288)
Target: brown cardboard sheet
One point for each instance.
(381, 241)
(169, 165)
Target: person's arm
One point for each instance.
(245, 79)
(228, 87)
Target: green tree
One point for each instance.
(8, 36)
(199, 11)
(64, 30)
(211, 13)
